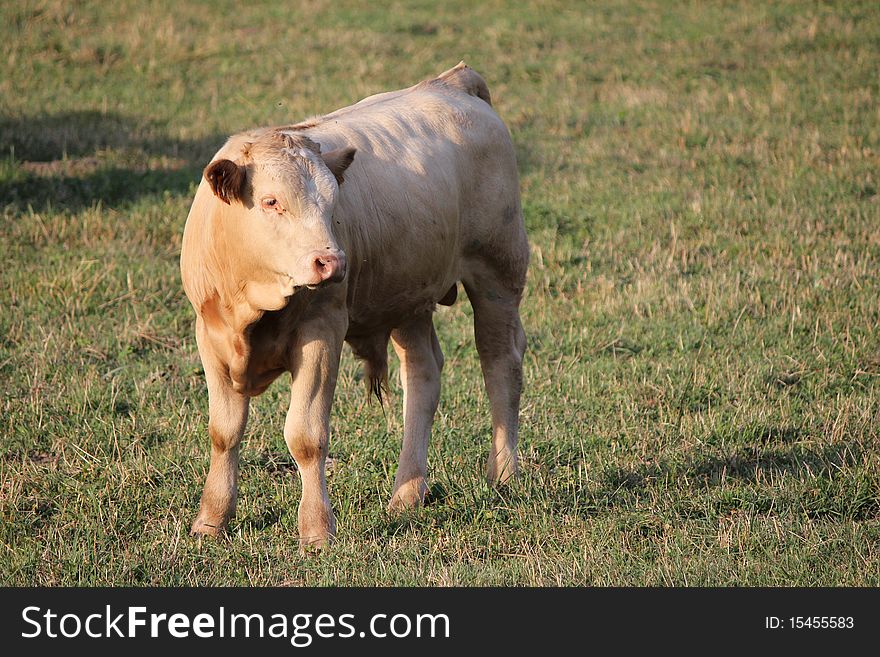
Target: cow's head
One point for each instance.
(282, 192)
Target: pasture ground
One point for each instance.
(700, 185)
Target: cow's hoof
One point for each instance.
(408, 496)
(501, 468)
(314, 544)
(316, 530)
(206, 528)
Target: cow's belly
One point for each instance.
(395, 311)
(403, 253)
(379, 302)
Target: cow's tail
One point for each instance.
(461, 76)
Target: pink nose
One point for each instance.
(330, 266)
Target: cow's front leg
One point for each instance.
(307, 428)
(421, 361)
(228, 412)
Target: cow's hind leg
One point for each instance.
(495, 293)
(228, 412)
(421, 362)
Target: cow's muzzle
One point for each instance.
(328, 266)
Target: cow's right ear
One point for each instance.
(226, 179)
(338, 161)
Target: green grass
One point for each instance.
(700, 184)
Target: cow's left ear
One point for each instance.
(338, 161)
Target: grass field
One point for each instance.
(700, 186)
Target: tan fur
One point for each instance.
(408, 192)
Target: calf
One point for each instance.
(351, 227)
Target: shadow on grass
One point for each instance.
(831, 483)
(746, 464)
(72, 160)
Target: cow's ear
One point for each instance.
(226, 179)
(338, 161)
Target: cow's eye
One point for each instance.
(269, 203)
